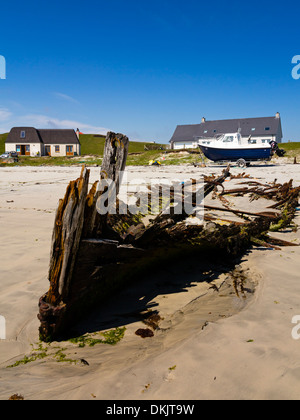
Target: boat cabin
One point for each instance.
(233, 140)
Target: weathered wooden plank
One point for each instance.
(113, 164)
(114, 157)
(267, 214)
(73, 258)
(66, 237)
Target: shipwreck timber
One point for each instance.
(93, 255)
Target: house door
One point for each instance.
(48, 150)
(69, 151)
(23, 149)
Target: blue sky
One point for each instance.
(142, 67)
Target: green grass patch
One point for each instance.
(3, 137)
(164, 158)
(55, 161)
(282, 223)
(92, 144)
(290, 146)
(143, 158)
(292, 149)
(111, 337)
(57, 353)
(39, 353)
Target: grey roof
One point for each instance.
(45, 136)
(212, 128)
(56, 136)
(186, 132)
(31, 135)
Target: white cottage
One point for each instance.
(29, 141)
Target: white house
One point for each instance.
(29, 141)
(262, 129)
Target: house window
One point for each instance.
(18, 149)
(267, 128)
(57, 149)
(23, 135)
(252, 129)
(205, 131)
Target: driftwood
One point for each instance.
(93, 254)
(268, 215)
(76, 219)
(66, 237)
(113, 164)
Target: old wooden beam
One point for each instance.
(76, 219)
(113, 165)
(266, 214)
(66, 237)
(114, 157)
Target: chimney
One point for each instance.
(277, 115)
(203, 120)
(77, 133)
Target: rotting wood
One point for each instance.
(113, 165)
(271, 242)
(216, 219)
(66, 237)
(114, 157)
(268, 215)
(76, 218)
(279, 242)
(93, 256)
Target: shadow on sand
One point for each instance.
(137, 301)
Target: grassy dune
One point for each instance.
(94, 145)
(2, 142)
(292, 149)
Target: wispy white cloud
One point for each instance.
(44, 121)
(65, 97)
(9, 120)
(5, 114)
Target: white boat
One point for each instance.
(232, 147)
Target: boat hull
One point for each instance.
(248, 154)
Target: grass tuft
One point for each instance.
(111, 337)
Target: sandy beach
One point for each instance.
(210, 344)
